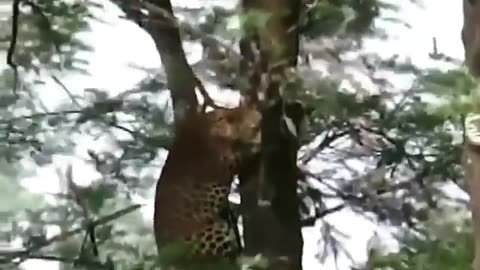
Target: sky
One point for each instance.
(110, 69)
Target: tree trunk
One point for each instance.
(470, 162)
(268, 188)
(471, 151)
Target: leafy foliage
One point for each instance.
(407, 142)
(447, 246)
(341, 17)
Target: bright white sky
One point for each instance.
(122, 43)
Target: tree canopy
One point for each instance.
(368, 146)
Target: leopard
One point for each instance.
(191, 197)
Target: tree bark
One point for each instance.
(470, 162)
(180, 77)
(471, 150)
(268, 187)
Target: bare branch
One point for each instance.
(326, 142)
(207, 99)
(13, 42)
(310, 221)
(69, 93)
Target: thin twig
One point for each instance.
(207, 99)
(310, 221)
(39, 115)
(60, 237)
(138, 135)
(79, 200)
(327, 141)
(67, 91)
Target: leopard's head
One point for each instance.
(240, 127)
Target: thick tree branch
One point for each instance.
(164, 22)
(180, 77)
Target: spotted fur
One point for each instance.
(191, 202)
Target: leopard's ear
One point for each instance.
(243, 101)
(248, 102)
